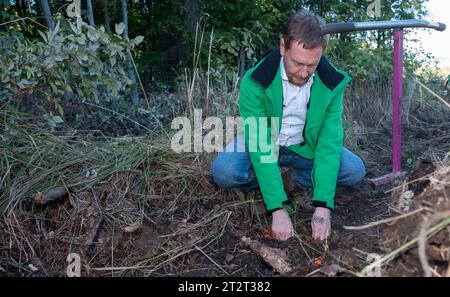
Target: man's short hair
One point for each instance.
(304, 27)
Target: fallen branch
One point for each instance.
(275, 257)
(385, 220)
(23, 19)
(433, 93)
(95, 231)
(50, 195)
(209, 258)
(423, 239)
(58, 192)
(384, 260)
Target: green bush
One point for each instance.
(73, 61)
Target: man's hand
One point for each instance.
(281, 225)
(320, 223)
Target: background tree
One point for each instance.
(106, 18)
(90, 13)
(131, 73)
(48, 14)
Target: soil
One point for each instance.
(200, 234)
(227, 255)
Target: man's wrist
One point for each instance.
(278, 211)
(284, 205)
(274, 210)
(322, 204)
(324, 209)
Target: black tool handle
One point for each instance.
(380, 25)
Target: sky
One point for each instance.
(435, 42)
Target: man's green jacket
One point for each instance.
(261, 96)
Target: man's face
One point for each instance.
(300, 63)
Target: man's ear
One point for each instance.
(282, 47)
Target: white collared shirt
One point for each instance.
(295, 101)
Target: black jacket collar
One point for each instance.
(266, 71)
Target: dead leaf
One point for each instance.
(90, 211)
(133, 227)
(332, 270)
(193, 258)
(228, 257)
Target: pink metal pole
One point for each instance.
(397, 93)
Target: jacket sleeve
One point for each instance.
(328, 154)
(263, 153)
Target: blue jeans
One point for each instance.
(233, 169)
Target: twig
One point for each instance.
(95, 230)
(139, 78)
(112, 250)
(393, 254)
(141, 265)
(221, 233)
(423, 239)
(301, 244)
(410, 182)
(115, 112)
(360, 251)
(209, 258)
(433, 271)
(385, 220)
(433, 93)
(312, 272)
(349, 267)
(22, 19)
(209, 70)
(168, 260)
(193, 226)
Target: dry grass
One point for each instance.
(368, 122)
(169, 197)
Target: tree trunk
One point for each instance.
(106, 18)
(149, 5)
(2, 8)
(241, 62)
(20, 7)
(131, 73)
(47, 14)
(192, 14)
(90, 13)
(123, 4)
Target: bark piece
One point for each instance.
(275, 257)
(50, 195)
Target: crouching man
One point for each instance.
(298, 85)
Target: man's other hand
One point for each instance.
(320, 223)
(281, 225)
